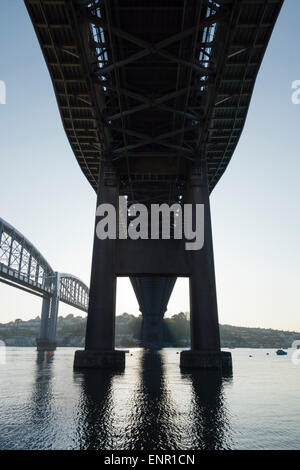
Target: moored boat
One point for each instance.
(281, 352)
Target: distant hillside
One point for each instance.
(71, 331)
(242, 337)
(177, 333)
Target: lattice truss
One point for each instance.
(73, 291)
(151, 87)
(22, 263)
(182, 109)
(20, 256)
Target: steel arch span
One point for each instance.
(73, 291)
(24, 267)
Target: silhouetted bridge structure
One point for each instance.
(24, 267)
(153, 96)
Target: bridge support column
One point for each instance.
(54, 311)
(153, 294)
(152, 332)
(100, 331)
(205, 337)
(43, 342)
(45, 318)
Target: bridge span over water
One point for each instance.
(24, 267)
(153, 96)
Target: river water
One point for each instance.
(44, 404)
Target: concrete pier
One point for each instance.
(153, 266)
(205, 336)
(153, 294)
(100, 331)
(206, 360)
(45, 345)
(99, 360)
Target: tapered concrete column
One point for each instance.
(205, 337)
(100, 332)
(152, 332)
(153, 294)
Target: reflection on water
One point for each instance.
(41, 403)
(94, 420)
(152, 405)
(150, 422)
(152, 418)
(210, 428)
(42, 392)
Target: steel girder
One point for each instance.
(153, 86)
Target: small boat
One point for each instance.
(281, 352)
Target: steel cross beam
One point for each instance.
(96, 34)
(153, 103)
(167, 135)
(148, 48)
(146, 139)
(158, 48)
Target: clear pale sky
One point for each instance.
(255, 206)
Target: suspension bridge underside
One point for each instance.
(153, 96)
